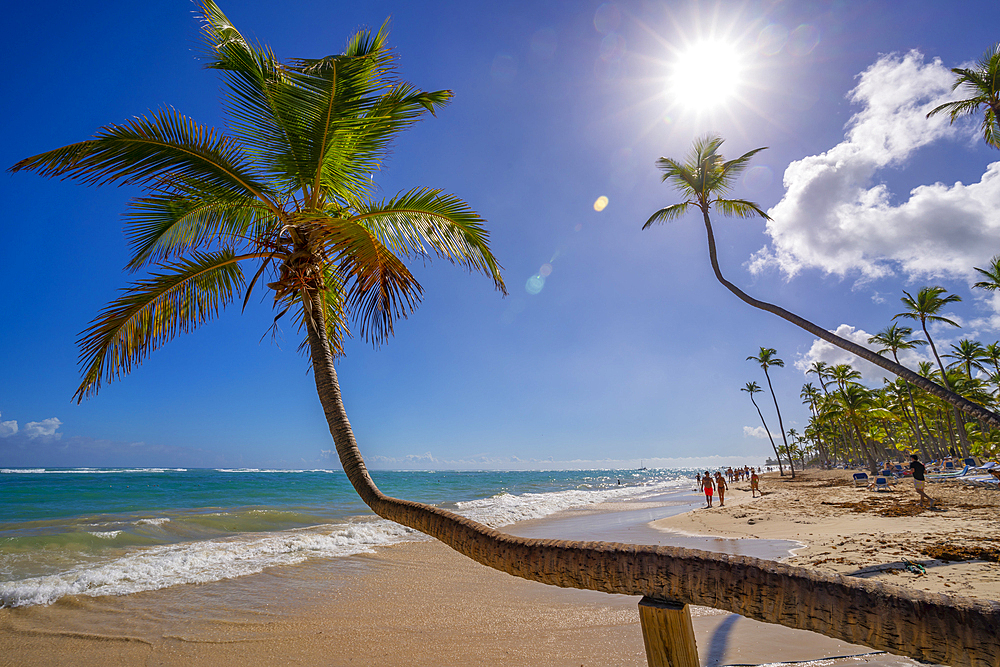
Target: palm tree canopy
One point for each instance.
(992, 275)
(704, 177)
(290, 191)
(927, 304)
(767, 357)
(982, 84)
(894, 338)
(752, 388)
(968, 352)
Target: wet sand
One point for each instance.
(411, 604)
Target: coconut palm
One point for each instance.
(704, 178)
(856, 405)
(971, 353)
(753, 388)
(766, 358)
(822, 372)
(894, 338)
(844, 374)
(991, 275)
(925, 308)
(982, 84)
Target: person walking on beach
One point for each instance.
(754, 484)
(720, 484)
(706, 484)
(918, 479)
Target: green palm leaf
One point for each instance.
(425, 221)
(151, 312)
(162, 226)
(158, 150)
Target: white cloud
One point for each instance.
(870, 373)
(756, 432)
(8, 428)
(834, 219)
(43, 429)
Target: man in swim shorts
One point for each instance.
(706, 484)
(918, 479)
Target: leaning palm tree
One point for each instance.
(289, 194)
(767, 357)
(704, 178)
(753, 388)
(982, 84)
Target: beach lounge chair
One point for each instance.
(949, 465)
(881, 484)
(861, 478)
(969, 462)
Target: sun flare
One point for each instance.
(705, 75)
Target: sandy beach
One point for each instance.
(855, 531)
(420, 603)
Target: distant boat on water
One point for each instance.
(643, 464)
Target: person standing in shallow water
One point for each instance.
(706, 484)
(918, 479)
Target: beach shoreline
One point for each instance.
(420, 603)
(852, 530)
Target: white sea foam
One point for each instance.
(152, 568)
(159, 521)
(86, 471)
(505, 509)
(200, 562)
(106, 534)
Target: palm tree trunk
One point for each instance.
(791, 466)
(781, 468)
(928, 627)
(929, 386)
(963, 440)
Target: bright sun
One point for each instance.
(705, 75)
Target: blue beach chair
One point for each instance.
(881, 484)
(860, 478)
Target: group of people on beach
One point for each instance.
(710, 484)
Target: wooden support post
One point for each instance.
(667, 633)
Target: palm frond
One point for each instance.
(379, 287)
(740, 208)
(165, 225)
(160, 149)
(669, 213)
(153, 311)
(263, 104)
(425, 221)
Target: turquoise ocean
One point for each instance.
(106, 531)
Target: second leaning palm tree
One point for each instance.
(704, 178)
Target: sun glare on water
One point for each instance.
(705, 75)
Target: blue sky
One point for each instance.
(629, 350)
